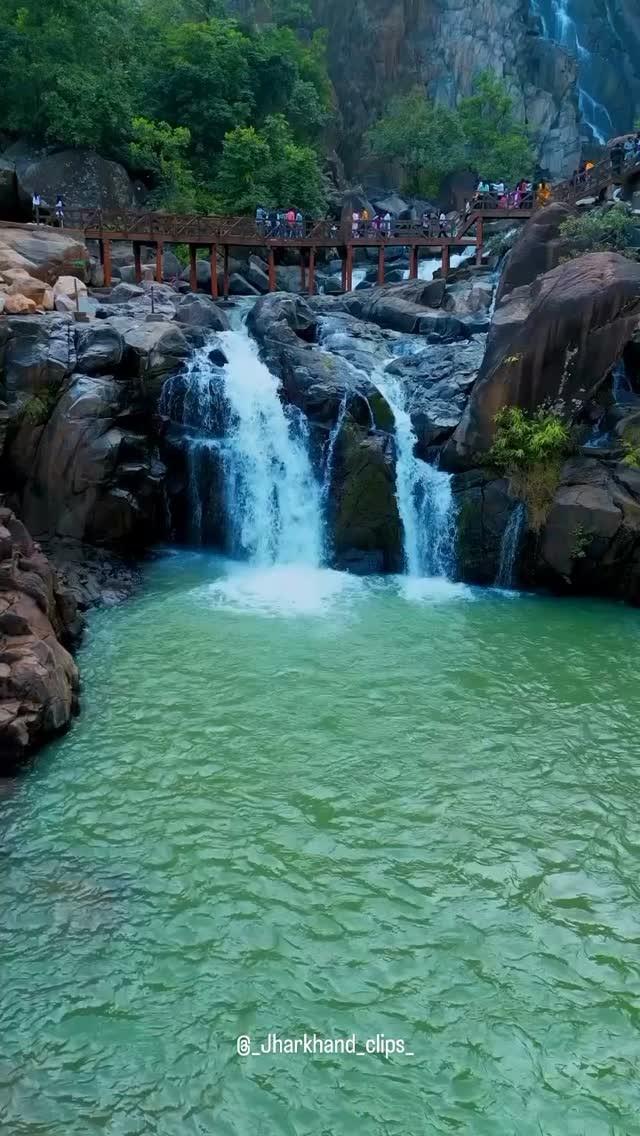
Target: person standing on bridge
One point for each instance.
(386, 223)
(60, 210)
(299, 224)
(36, 202)
(355, 223)
(443, 232)
(617, 157)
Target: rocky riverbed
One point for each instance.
(96, 455)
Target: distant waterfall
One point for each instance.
(425, 499)
(559, 26)
(243, 443)
(510, 545)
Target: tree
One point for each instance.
(66, 79)
(201, 79)
(160, 151)
(425, 139)
(270, 168)
(497, 146)
(614, 228)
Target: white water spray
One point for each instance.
(273, 499)
(510, 545)
(425, 500)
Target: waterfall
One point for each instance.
(243, 442)
(330, 449)
(273, 500)
(559, 26)
(509, 548)
(425, 500)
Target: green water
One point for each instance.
(319, 804)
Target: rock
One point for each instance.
(38, 678)
(238, 286)
(199, 311)
(332, 285)
(256, 273)
(70, 287)
(83, 177)
(401, 307)
(37, 353)
(552, 343)
(483, 507)
(29, 286)
(392, 203)
(18, 305)
(363, 501)
(591, 540)
(319, 383)
(42, 252)
(539, 248)
(99, 348)
(64, 305)
(436, 384)
(124, 293)
(153, 350)
(73, 467)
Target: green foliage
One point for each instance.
(614, 228)
(424, 138)
(64, 78)
(431, 141)
(523, 439)
(39, 408)
(267, 167)
(497, 145)
(529, 449)
(161, 83)
(160, 151)
(631, 447)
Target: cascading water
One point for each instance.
(425, 500)
(510, 545)
(234, 421)
(273, 497)
(559, 26)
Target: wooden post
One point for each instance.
(213, 261)
(225, 273)
(343, 260)
(413, 263)
(349, 268)
(159, 255)
(446, 260)
(480, 240)
(312, 271)
(381, 264)
(193, 268)
(105, 251)
(272, 270)
(137, 263)
(303, 281)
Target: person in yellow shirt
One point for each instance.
(543, 195)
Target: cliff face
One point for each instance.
(378, 48)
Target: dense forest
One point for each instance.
(221, 107)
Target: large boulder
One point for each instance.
(85, 472)
(553, 343)
(35, 355)
(436, 384)
(83, 177)
(539, 248)
(365, 522)
(99, 348)
(38, 678)
(322, 385)
(404, 307)
(153, 350)
(41, 252)
(199, 311)
(591, 539)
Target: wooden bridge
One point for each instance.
(220, 234)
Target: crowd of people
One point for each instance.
(272, 223)
(625, 153)
(497, 195)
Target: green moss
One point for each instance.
(38, 410)
(382, 412)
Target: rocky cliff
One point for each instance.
(377, 48)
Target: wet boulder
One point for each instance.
(99, 348)
(552, 343)
(199, 311)
(364, 519)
